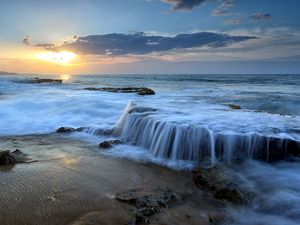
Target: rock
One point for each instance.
(39, 81)
(223, 184)
(147, 204)
(232, 193)
(65, 130)
(110, 143)
(7, 158)
(234, 106)
(138, 90)
(11, 158)
(146, 91)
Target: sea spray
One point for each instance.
(121, 121)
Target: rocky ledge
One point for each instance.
(224, 184)
(138, 90)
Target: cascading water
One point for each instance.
(175, 141)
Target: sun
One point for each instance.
(62, 58)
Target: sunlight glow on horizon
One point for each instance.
(61, 58)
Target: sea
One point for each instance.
(248, 120)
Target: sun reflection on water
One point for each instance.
(65, 77)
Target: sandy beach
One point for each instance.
(72, 183)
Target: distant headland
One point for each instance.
(7, 73)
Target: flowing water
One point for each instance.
(187, 121)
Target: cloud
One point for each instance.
(232, 21)
(45, 46)
(223, 8)
(26, 40)
(185, 4)
(116, 44)
(260, 16)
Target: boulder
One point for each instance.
(7, 158)
(10, 158)
(110, 143)
(65, 130)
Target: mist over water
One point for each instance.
(278, 190)
(270, 103)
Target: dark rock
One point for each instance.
(65, 130)
(11, 158)
(147, 204)
(263, 148)
(223, 184)
(216, 219)
(7, 158)
(138, 90)
(146, 91)
(234, 106)
(39, 81)
(232, 193)
(110, 143)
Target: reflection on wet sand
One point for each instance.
(73, 184)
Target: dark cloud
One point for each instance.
(260, 16)
(116, 44)
(222, 8)
(185, 4)
(26, 40)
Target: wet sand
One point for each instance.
(73, 183)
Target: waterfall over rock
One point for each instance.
(179, 141)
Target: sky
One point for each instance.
(150, 36)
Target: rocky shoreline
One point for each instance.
(72, 183)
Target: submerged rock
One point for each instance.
(138, 90)
(110, 143)
(223, 184)
(147, 204)
(234, 106)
